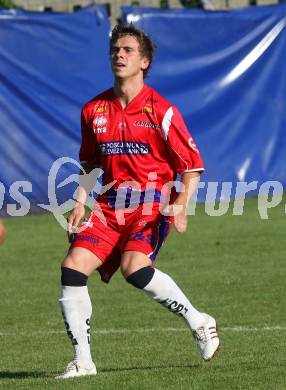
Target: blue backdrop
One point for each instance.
(224, 70)
(50, 65)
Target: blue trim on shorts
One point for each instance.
(123, 197)
(163, 229)
(88, 238)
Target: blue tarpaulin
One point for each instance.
(225, 71)
(50, 65)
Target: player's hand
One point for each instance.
(74, 218)
(180, 217)
(181, 222)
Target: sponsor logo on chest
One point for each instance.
(99, 124)
(147, 124)
(124, 148)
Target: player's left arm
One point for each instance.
(190, 181)
(186, 160)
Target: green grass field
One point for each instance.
(231, 266)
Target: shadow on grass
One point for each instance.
(27, 374)
(23, 374)
(143, 368)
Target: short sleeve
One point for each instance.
(183, 151)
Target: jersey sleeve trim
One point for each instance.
(194, 170)
(166, 122)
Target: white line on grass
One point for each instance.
(150, 330)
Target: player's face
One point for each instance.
(126, 59)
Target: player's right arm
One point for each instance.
(77, 213)
(89, 161)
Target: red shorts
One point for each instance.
(110, 233)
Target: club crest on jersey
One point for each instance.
(147, 109)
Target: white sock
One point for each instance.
(77, 309)
(164, 290)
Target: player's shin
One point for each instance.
(164, 290)
(77, 309)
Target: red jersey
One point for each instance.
(148, 135)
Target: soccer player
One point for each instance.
(141, 143)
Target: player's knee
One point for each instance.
(71, 277)
(72, 261)
(141, 278)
